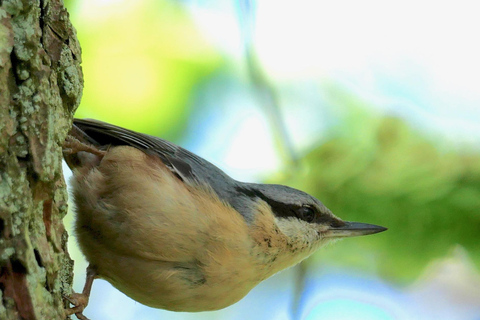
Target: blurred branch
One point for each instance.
(268, 99)
(300, 276)
(265, 92)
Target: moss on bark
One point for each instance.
(40, 87)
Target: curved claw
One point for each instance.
(80, 300)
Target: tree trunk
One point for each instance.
(40, 88)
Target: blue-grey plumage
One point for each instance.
(173, 231)
(191, 168)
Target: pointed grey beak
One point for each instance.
(353, 229)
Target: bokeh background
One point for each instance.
(371, 106)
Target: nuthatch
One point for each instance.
(172, 231)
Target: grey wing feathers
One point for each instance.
(182, 162)
(187, 166)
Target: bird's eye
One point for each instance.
(306, 213)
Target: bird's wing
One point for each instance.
(187, 166)
(183, 163)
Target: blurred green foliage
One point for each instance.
(377, 169)
(141, 63)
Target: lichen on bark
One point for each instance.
(40, 87)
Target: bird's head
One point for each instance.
(294, 224)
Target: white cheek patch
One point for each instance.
(303, 239)
(301, 233)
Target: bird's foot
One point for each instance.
(79, 302)
(72, 146)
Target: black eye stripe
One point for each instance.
(279, 209)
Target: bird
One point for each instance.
(173, 231)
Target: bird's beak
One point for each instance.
(353, 229)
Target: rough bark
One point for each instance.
(40, 88)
